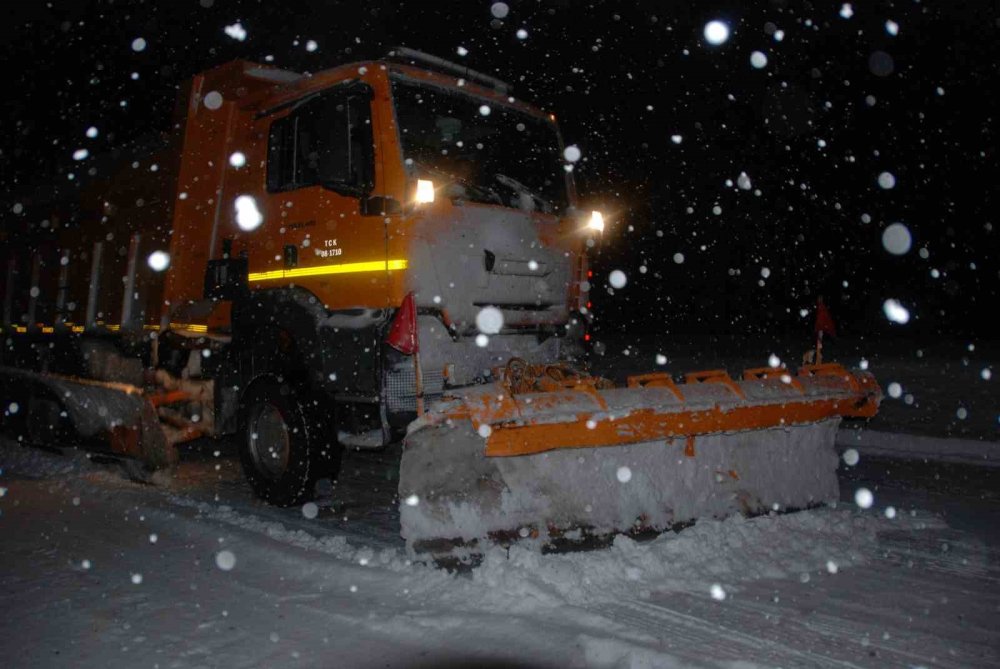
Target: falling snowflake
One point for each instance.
(895, 311)
(881, 64)
(213, 100)
(236, 31)
(225, 560)
(716, 32)
(896, 239)
(489, 320)
(248, 216)
(158, 261)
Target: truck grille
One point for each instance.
(401, 388)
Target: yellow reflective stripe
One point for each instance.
(193, 327)
(50, 329)
(343, 268)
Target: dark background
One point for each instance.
(623, 78)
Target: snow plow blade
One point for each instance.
(117, 418)
(495, 464)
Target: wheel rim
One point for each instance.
(269, 441)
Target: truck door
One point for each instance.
(320, 168)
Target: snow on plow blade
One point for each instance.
(113, 417)
(493, 464)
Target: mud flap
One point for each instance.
(114, 417)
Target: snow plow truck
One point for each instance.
(385, 250)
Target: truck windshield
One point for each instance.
(480, 151)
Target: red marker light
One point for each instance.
(586, 337)
(590, 273)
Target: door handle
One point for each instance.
(291, 256)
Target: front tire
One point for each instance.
(283, 442)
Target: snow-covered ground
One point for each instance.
(192, 572)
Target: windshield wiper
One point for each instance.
(483, 191)
(520, 188)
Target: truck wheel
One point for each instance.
(280, 442)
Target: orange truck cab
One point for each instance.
(302, 211)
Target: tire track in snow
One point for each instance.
(945, 552)
(701, 636)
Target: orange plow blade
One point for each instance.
(492, 462)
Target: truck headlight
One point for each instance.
(596, 221)
(425, 191)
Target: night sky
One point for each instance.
(839, 102)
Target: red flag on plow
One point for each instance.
(824, 320)
(403, 331)
(824, 325)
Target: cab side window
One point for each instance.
(325, 141)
